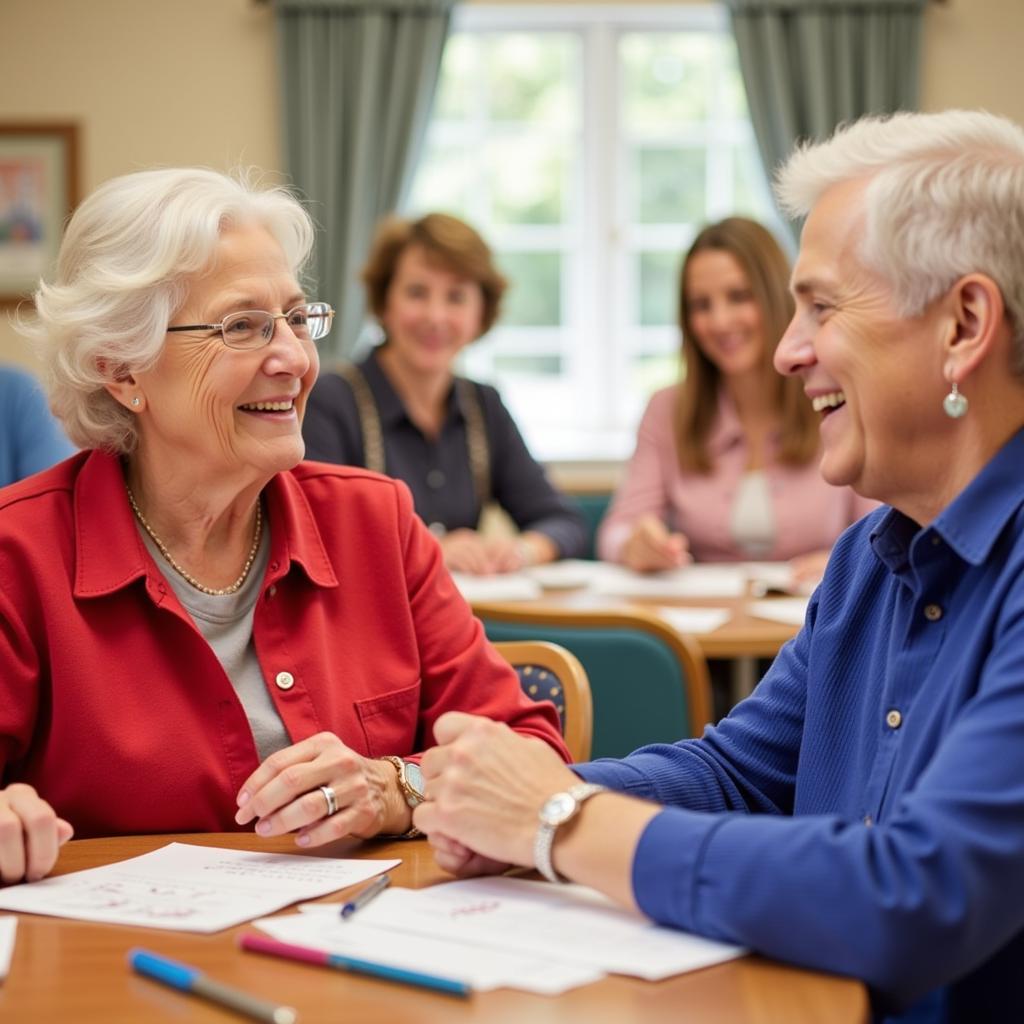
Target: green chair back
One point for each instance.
(593, 506)
(648, 683)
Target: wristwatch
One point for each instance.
(557, 810)
(410, 779)
(410, 782)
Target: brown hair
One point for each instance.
(446, 240)
(767, 269)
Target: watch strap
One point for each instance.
(411, 797)
(544, 840)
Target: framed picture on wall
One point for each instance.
(38, 189)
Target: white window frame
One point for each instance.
(599, 351)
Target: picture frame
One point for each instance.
(38, 190)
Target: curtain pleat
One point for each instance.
(358, 79)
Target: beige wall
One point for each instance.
(193, 81)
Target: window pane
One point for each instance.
(534, 296)
(669, 184)
(659, 273)
(446, 179)
(545, 366)
(667, 76)
(526, 175)
(530, 77)
(457, 87)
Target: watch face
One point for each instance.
(414, 779)
(558, 809)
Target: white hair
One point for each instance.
(122, 274)
(944, 198)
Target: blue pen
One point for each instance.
(261, 944)
(189, 979)
(361, 898)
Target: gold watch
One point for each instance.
(410, 782)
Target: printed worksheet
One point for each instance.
(482, 967)
(568, 925)
(189, 888)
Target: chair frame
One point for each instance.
(685, 648)
(567, 669)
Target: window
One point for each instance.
(588, 143)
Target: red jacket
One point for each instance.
(113, 705)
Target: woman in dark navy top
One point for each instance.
(433, 286)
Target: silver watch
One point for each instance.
(557, 810)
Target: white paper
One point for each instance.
(511, 586)
(790, 610)
(189, 888)
(568, 924)
(691, 581)
(483, 968)
(567, 574)
(694, 620)
(8, 926)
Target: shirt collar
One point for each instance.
(972, 522)
(389, 406)
(110, 555)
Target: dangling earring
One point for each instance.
(136, 401)
(954, 404)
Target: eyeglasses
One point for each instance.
(253, 328)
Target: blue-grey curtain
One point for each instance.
(808, 65)
(358, 80)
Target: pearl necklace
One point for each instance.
(187, 577)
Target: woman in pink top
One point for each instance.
(726, 465)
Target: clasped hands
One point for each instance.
(285, 794)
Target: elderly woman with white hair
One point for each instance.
(863, 811)
(197, 630)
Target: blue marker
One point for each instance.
(189, 979)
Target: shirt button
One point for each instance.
(271, 590)
(868, 820)
(933, 612)
(438, 529)
(936, 541)
(893, 718)
(435, 479)
(284, 680)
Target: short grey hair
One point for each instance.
(122, 274)
(944, 198)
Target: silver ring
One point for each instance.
(332, 800)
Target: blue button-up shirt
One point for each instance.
(30, 439)
(876, 775)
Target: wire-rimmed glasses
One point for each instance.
(253, 328)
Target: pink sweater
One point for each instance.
(809, 514)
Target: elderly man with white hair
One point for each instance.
(863, 811)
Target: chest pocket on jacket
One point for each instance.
(390, 721)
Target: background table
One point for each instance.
(743, 636)
(74, 971)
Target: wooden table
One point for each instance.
(743, 636)
(73, 971)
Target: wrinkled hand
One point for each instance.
(459, 860)
(283, 794)
(651, 547)
(485, 785)
(808, 569)
(467, 551)
(31, 834)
